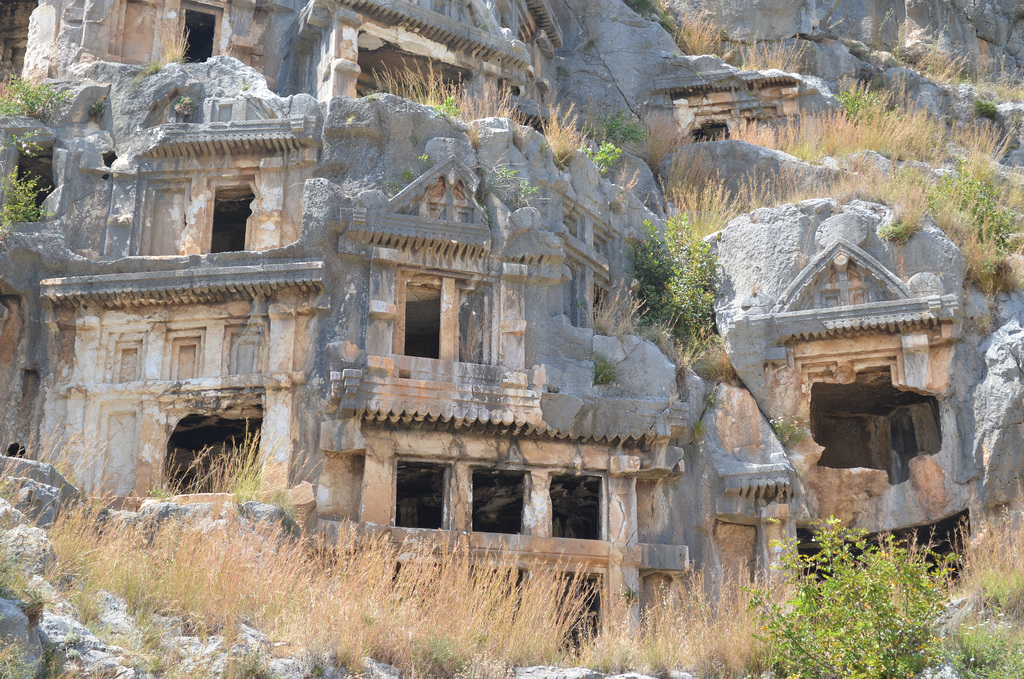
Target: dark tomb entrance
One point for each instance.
(205, 450)
(231, 211)
(871, 424)
(200, 29)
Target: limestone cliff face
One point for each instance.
(402, 303)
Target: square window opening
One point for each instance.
(231, 211)
(872, 424)
(576, 507)
(498, 501)
(419, 495)
(423, 321)
(200, 29)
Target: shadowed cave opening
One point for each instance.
(231, 211)
(498, 501)
(945, 536)
(15, 450)
(14, 24)
(871, 424)
(200, 29)
(384, 66)
(711, 132)
(576, 507)
(419, 495)
(423, 321)
(40, 168)
(202, 448)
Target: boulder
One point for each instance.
(17, 633)
(28, 547)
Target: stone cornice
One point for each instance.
(412, 232)
(442, 29)
(892, 316)
(269, 136)
(682, 84)
(186, 286)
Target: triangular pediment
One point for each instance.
(445, 193)
(839, 276)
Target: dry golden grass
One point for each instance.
(173, 42)
(663, 139)
(762, 56)
(617, 315)
(707, 632)
(898, 134)
(564, 134)
(436, 616)
(429, 87)
(698, 34)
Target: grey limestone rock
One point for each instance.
(549, 672)
(17, 633)
(28, 547)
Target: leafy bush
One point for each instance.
(449, 108)
(19, 97)
(676, 273)
(20, 205)
(977, 196)
(620, 128)
(510, 188)
(859, 100)
(985, 108)
(899, 231)
(605, 157)
(856, 609)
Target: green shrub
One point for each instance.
(449, 108)
(985, 108)
(19, 97)
(676, 273)
(977, 196)
(899, 231)
(856, 609)
(619, 128)
(20, 205)
(604, 370)
(859, 101)
(510, 188)
(605, 157)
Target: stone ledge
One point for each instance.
(186, 286)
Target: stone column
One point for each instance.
(512, 352)
(537, 505)
(378, 501)
(449, 348)
(265, 222)
(278, 416)
(458, 501)
(383, 311)
(623, 578)
(774, 525)
(343, 68)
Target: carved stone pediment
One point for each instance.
(842, 275)
(443, 193)
(436, 212)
